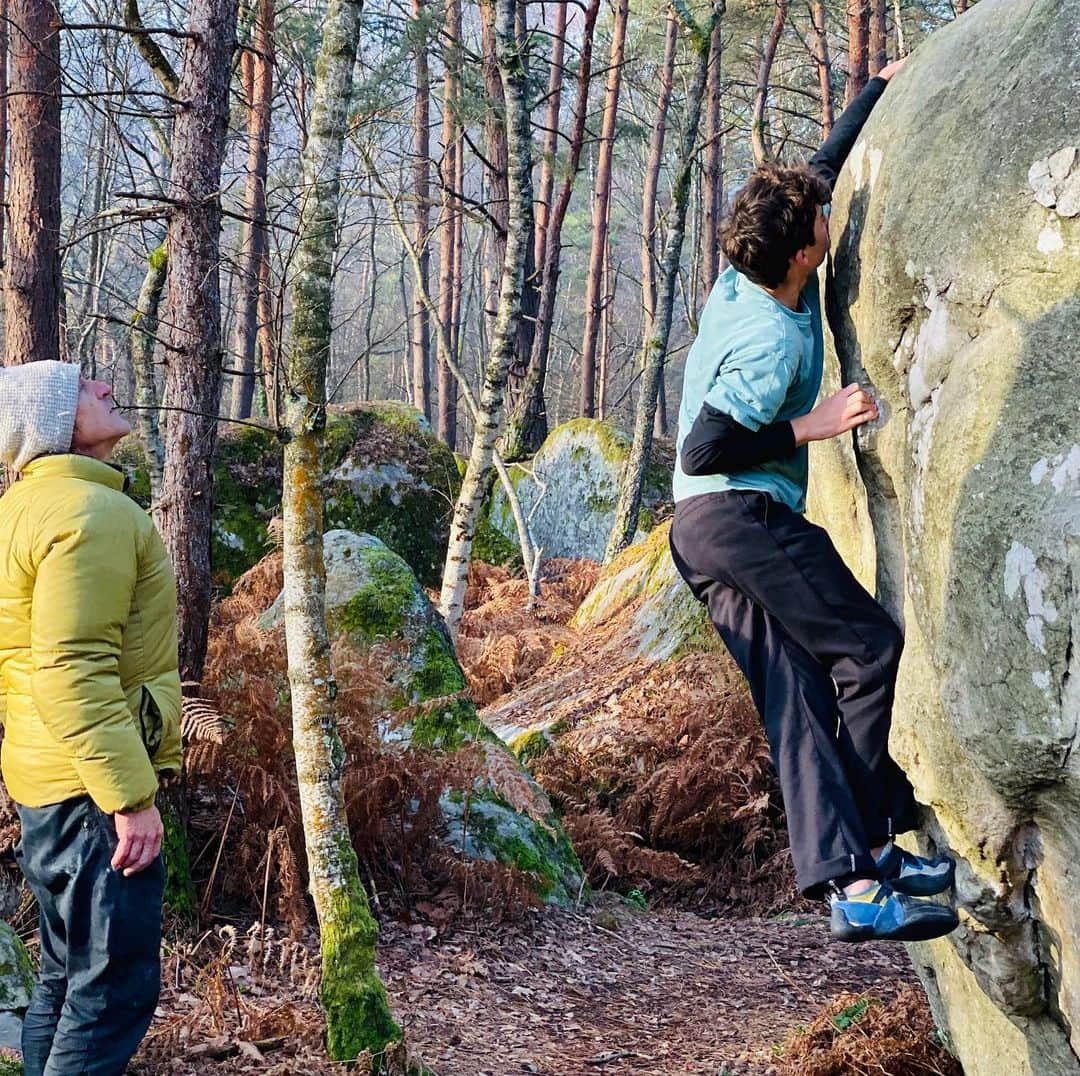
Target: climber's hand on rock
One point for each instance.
(889, 70)
(843, 411)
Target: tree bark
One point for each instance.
(449, 232)
(824, 67)
(878, 37)
(629, 503)
(421, 334)
(759, 123)
(357, 1012)
(519, 235)
(594, 278)
(193, 351)
(144, 327)
(550, 152)
(258, 76)
(527, 427)
(712, 175)
(3, 121)
(858, 13)
(32, 284)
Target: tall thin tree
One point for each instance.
(357, 1012)
(759, 120)
(712, 171)
(519, 235)
(878, 36)
(858, 19)
(601, 200)
(257, 70)
(630, 486)
(824, 66)
(421, 332)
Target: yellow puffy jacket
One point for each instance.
(88, 658)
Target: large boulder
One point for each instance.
(387, 475)
(956, 296)
(374, 600)
(569, 490)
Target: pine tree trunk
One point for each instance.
(824, 67)
(629, 503)
(3, 121)
(449, 233)
(527, 427)
(421, 334)
(357, 1012)
(519, 235)
(144, 327)
(878, 37)
(32, 285)
(759, 123)
(858, 13)
(258, 76)
(594, 278)
(652, 176)
(712, 175)
(193, 353)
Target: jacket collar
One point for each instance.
(71, 465)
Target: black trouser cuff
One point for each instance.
(814, 882)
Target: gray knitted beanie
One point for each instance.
(37, 410)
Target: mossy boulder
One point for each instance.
(16, 972)
(955, 295)
(569, 489)
(667, 621)
(374, 599)
(387, 475)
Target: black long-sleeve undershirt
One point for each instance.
(717, 443)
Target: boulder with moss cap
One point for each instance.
(569, 489)
(375, 601)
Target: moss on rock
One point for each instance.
(16, 971)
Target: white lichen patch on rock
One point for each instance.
(1022, 570)
(1055, 181)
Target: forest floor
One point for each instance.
(610, 989)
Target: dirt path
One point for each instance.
(616, 991)
(609, 990)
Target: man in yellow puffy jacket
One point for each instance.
(88, 675)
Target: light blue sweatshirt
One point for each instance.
(760, 362)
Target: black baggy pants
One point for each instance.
(821, 658)
(100, 943)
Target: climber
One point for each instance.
(88, 666)
(820, 655)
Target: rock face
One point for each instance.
(956, 296)
(570, 488)
(388, 476)
(373, 598)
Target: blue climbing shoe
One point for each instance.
(882, 915)
(915, 876)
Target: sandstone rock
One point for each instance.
(956, 297)
(16, 972)
(570, 488)
(373, 598)
(388, 475)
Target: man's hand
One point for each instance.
(843, 411)
(139, 836)
(889, 70)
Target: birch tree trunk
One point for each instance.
(32, 285)
(594, 278)
(519, 232)
(759, 123)
(258, 69)
(193, 352)
(421, 334)
(449, 232)
(527, 426)
(712, 176)
(357, 1012)
(824, 67)
(629, 503)
(858, 14)
(878, 37)
(144, 327)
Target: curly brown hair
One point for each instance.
(771, 219)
